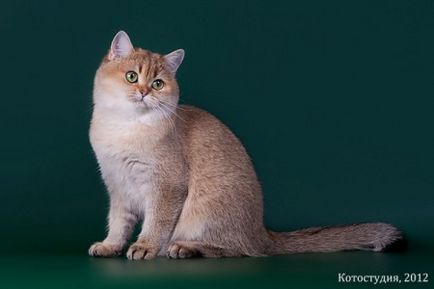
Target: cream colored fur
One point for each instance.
(185, 174)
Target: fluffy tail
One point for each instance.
(368, 236)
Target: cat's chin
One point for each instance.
(142, 107)
(140, 104)
(147, 111)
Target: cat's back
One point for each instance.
(211, 146)
(201, 128)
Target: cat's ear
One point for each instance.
(174, 60)
(121, 46)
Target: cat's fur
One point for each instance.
(186, 174)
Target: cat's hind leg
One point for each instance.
(192, 249)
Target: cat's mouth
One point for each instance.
(143, 102)
(138, 99)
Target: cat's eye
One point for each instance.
(158, 84)
(131, 76)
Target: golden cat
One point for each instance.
(185, 174)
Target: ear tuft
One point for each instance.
(174, 60)
(121, 46)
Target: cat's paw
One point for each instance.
(142, 251)
(101, 249)
(179, 251)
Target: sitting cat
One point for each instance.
(185, 174)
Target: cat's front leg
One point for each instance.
(121, 225)
(161, 214)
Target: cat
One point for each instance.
(185, 174)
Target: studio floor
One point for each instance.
(292, 271)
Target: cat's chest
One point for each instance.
(125, 157)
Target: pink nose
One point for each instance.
(143, 92)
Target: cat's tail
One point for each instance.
(368, 236)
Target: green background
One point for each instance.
(333, 100)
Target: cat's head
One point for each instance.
(136, 81)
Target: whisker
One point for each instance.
(166, 116)
(161, 113)
(173, 105)
(172, 110)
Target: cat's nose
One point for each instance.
(143, 92)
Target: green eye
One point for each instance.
(131, 76)
(158, 84)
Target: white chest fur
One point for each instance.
(126, 161)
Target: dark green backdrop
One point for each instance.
(334, 101)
